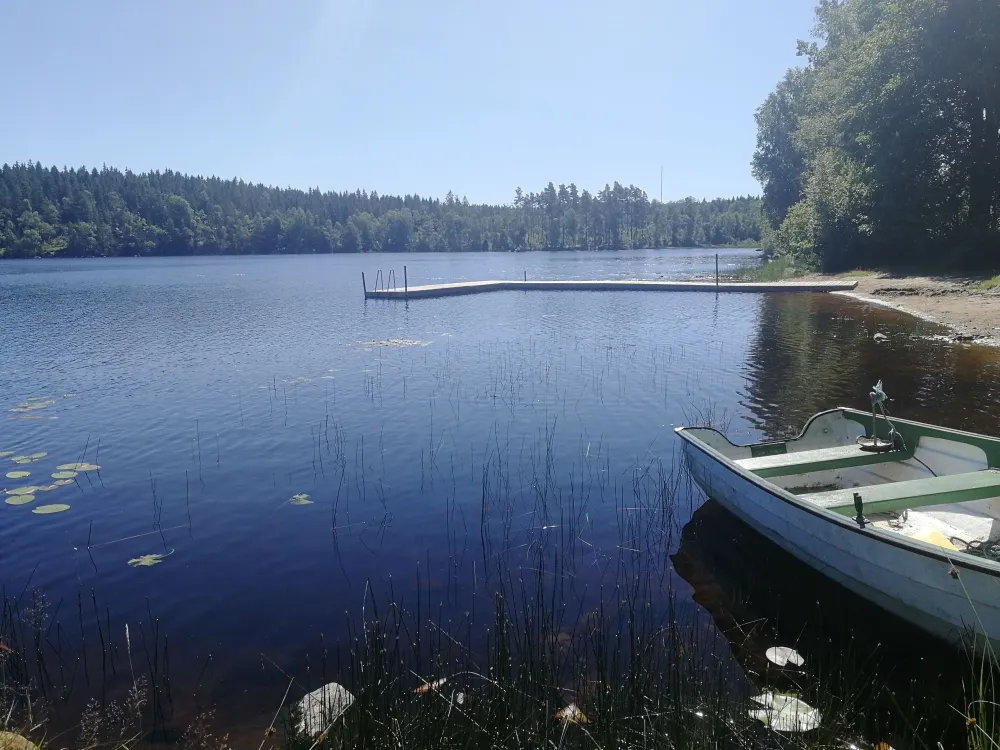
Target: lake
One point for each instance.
(215, 393)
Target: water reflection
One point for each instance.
(815, 352)
(898, 682)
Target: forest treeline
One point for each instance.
(107, 212)
(884, 148)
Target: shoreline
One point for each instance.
(957, 303)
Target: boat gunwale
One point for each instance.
(957, 559)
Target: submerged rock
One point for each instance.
(12, 741)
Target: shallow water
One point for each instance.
(210, 391)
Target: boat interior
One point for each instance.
(924, 482)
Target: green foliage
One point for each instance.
(990, 284)
(778, 269)
(76, 212)
(884, 149)
(778, 163)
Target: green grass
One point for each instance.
(772, 270)
(989, 283)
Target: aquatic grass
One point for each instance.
(542, 634)
(982, 709)
(41, 662)
(541, 659)
(708, 413)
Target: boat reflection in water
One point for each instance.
(899, 685)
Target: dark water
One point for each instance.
(211, 391)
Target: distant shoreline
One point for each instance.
(705, 248)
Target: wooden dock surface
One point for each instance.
(477, 287)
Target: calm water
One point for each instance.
(211, 391)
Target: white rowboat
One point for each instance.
(894, 523)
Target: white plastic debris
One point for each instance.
(785, 713)
(320, 708)
(782, 655)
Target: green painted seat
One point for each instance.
(822, 459)
(913, 493)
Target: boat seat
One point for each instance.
(913, 493)
(822, 459)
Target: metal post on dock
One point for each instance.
(406, 285)
(525, 276)
(716, 270)
(364, 286)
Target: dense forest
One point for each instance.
(80, 212)
(884, 148)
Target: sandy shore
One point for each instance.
(973, 314)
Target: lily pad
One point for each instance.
(36, 456)
(782, 655)
(45, 510)
(320, 708)
(48, 488)
(61, 483)
(785, 713)
(4, 454)
(78, 467)
(32, 405)
(22, 490)
(20, 499)
(146, 561)
(301, 499)
(399, 343)
(18, 474)
(64, 475)
(21, 460)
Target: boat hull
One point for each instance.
(946, 598)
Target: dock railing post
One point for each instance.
(406, 284)
(525, 276)
(364, 286)
(716, 270)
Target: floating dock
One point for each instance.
(478, 287)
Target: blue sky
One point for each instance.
(421, 96)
